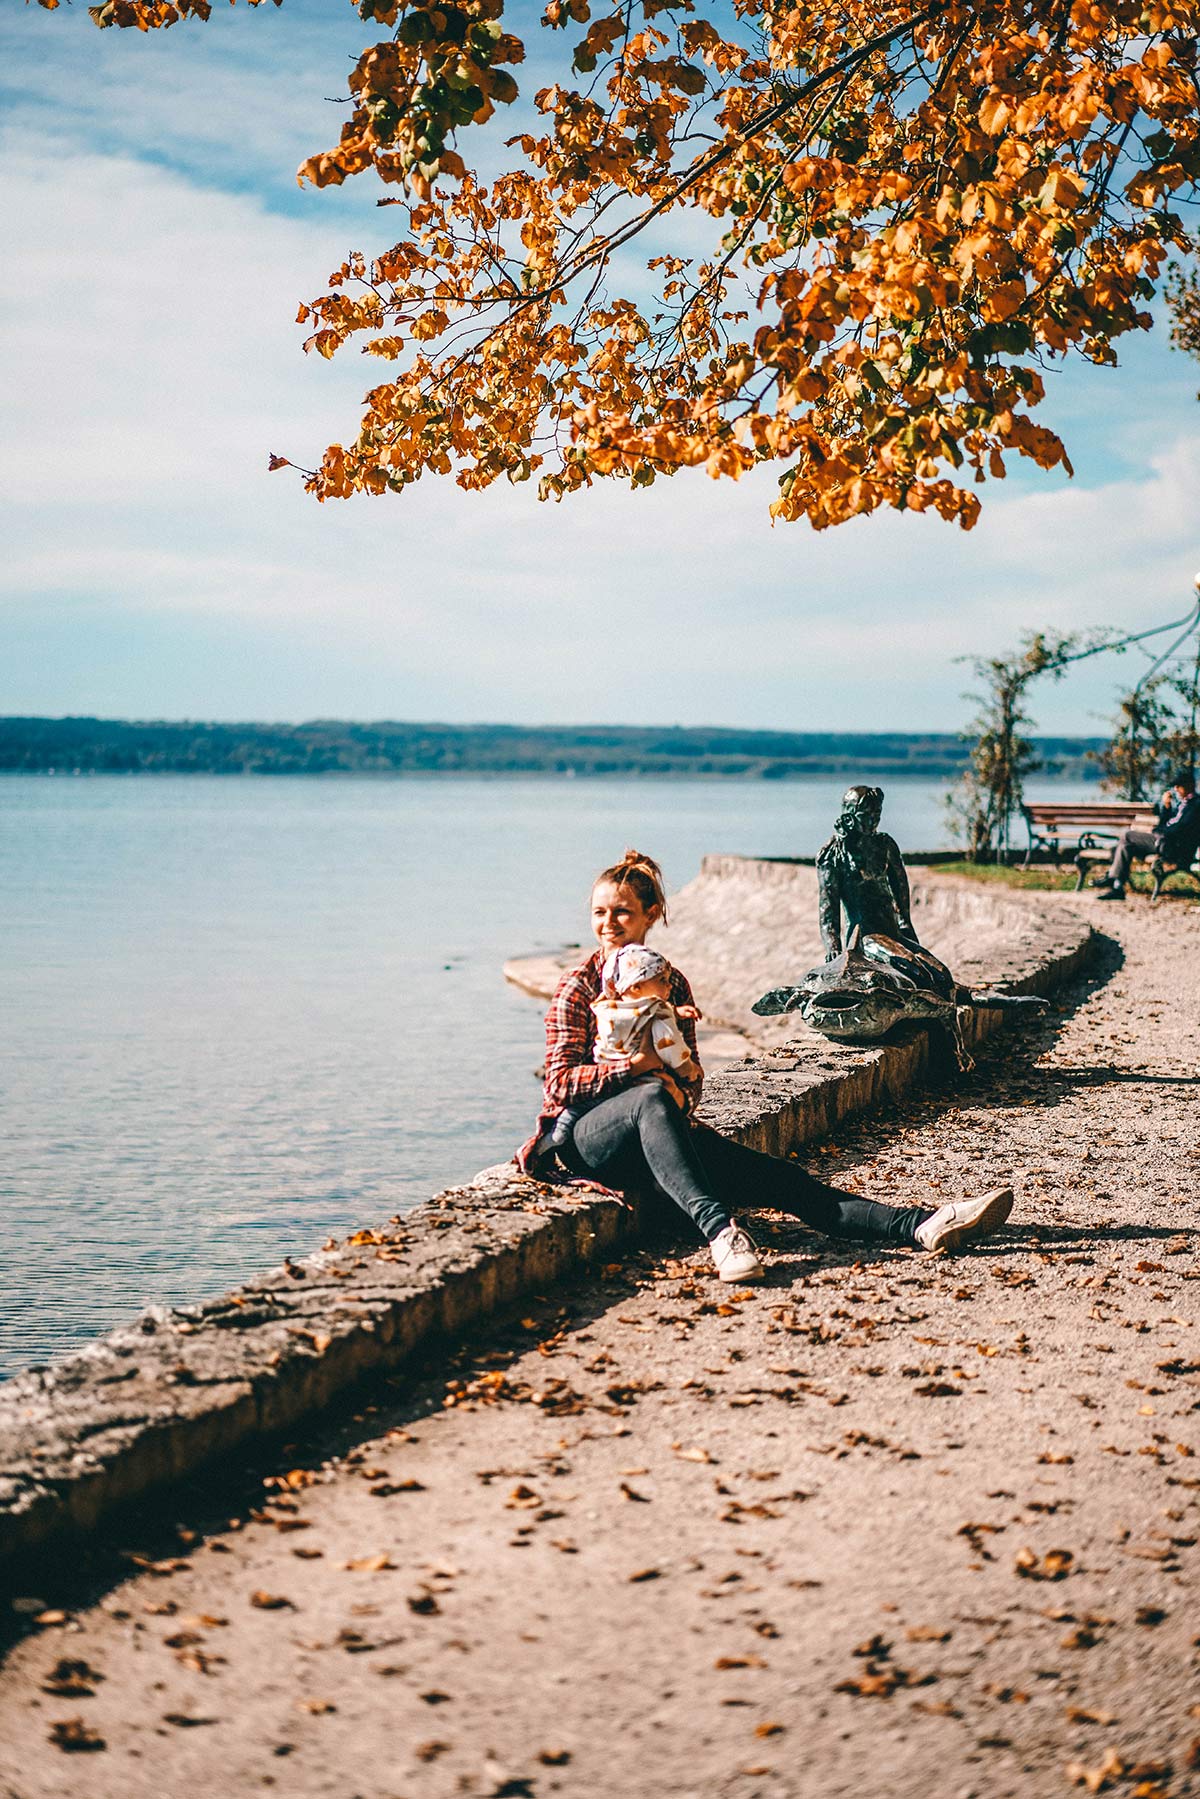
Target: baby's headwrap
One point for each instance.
(632, 963)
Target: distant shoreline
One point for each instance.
(78, 746)
(805, 773)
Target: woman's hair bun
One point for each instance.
(642, 873)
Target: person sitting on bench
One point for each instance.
(1175, 838)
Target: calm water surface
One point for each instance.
(238, 1015)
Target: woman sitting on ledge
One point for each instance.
(632, 1122)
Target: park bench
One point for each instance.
(1091, 828)
(1082, 824)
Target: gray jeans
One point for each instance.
(640, 1137)
(1131, 844)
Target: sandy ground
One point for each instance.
(885, 1525)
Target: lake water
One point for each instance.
(238, 1015)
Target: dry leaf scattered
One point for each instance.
(73, 1735)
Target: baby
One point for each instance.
(634, 1013)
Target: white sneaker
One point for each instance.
(735, 1256)
(952, 1226)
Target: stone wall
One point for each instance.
(162, 1397)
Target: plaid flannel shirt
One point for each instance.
(572, 1075)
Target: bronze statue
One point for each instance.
(860, 871)
(882, 976)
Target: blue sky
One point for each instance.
(157, 246)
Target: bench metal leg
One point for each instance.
(1162, 872)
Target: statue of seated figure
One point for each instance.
(880, 975)
(860, 872)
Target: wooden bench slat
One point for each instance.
(1081, 812)
(1050, 822)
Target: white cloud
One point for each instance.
(151, 362)
(246, 98)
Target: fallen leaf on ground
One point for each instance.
(1056, 1564)
(643, 1574)
(769, 1729)
(148, 1565)
(186, 1720)
(554, 1758)
(1099, 1778)
(270, 1602)
(739, 1661)
(880, 1684)
(975, 1533)
(369, 1564)
(72, 1734)
(295, 1477)
(198, 1660)
(318, 1707)
(72, 1680)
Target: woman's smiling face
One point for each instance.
(619, 917)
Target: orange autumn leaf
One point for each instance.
(898, 214)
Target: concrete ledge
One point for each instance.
(163, 1397)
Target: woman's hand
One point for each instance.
(648, 1061)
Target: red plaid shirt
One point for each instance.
(572, 1074)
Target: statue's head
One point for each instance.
(862, 808)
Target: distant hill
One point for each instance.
(330, 746)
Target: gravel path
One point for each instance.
(894, 1525)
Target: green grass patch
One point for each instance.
(1043, 876)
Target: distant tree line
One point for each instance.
(330, 746)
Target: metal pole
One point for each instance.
(1190, 624)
